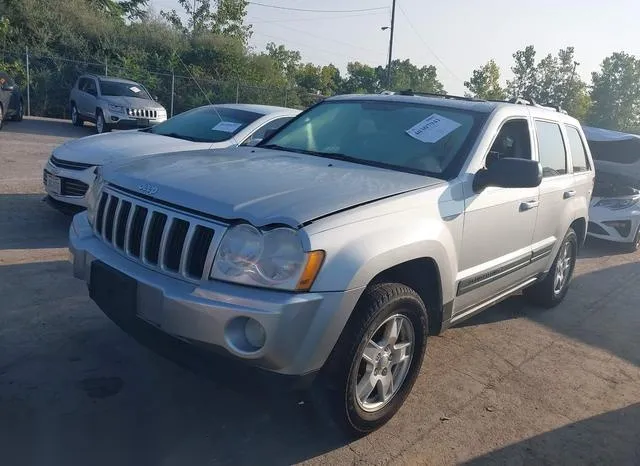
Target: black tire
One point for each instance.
(545, 293)
(76, 119)
(103, 127)
(635, 246)
(334, 390)
(19, 116)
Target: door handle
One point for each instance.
(528, 205)
(569, 194)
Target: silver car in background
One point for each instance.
(70, 169)
(113, 103)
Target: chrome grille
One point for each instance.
(142, 112)
(159, 238)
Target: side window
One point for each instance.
(82, 84)
(578, 152)
(553, 155)
(513, 141)
(262, 131)
(91, 88)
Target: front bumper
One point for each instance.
(73, 184)
(620, 226)
(301, 328)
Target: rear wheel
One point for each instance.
(551, 291)
(376, 360)
(75, 116)
(19, 112)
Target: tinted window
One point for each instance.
(578, 152)
(390, 134)
(120, 89)
(513, 141)
(90, 87)
(272, 125)
(206, 124)
(553, 156)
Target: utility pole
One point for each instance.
(28, 85)
(393, 21)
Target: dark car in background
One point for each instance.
(11, 103)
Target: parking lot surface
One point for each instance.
(515, 385)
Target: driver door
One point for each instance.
(498, 227)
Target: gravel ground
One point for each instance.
(514, 385)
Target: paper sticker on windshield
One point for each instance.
(135, 89)
(433, 128)
(227, 126)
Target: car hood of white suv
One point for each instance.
(132, 102)
(100, 149)
(261, 186)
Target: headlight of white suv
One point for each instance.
(272, 259)
(93, 196)
(618, 204)
(116, 108)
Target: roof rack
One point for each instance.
(532, 103)
(442, 96)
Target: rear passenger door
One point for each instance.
(557, 192)
(583, 173)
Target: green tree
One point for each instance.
(616, 93)
(485, 82)
(361, 78)
(405, 75)
(286, 61)
(524, 82)
(225, 17)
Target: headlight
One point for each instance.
(273, 259)
(93, 196)
(618, 204)
(116, 108)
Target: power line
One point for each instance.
(293, 20)
(317, 11)
(427, 46)
(330, 39)
(332, 53)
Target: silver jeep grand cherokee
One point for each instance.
(332, 250)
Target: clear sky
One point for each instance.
(454, 35)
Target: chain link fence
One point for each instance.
(46, 82)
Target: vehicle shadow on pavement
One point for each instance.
(48, 127)
(27, 222)
(610, 438)
(600, 310)
(76, 390)
(595, 247)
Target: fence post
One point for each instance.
(106, 67)
(173, 88)
(28, 85)
(237, 92)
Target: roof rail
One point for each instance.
(441, 96)
(531, 102)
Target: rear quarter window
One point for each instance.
(578, 151)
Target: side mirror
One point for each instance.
(155, 97)
(268, 133)
(509, 173)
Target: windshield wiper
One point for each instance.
(180, 136)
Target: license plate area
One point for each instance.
(143, 122)
(53, 183)
(114, 292)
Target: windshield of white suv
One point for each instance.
(411, 137)
(204, 124)
(120, 89)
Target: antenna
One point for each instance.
(199, 87)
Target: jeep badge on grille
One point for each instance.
(147, 189)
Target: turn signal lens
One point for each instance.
(311, 269)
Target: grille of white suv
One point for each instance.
(142, 112)
(156, 237)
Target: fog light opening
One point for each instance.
(245, 335)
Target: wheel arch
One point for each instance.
(579, 225)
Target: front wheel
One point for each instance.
(376, 360)
(101, 124)
(551, 291)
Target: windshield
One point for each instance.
(204, 124)
(397, 135)
(120, 89)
